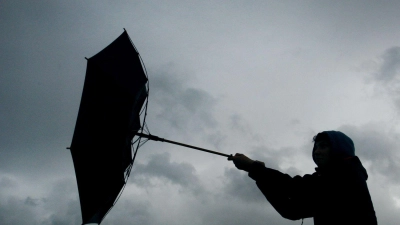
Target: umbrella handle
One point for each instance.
(156, 138)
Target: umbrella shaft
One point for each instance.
(156, 138)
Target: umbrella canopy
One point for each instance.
(109, 117)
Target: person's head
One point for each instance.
(331, 146)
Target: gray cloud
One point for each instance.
(62, 203)
(42, 72)
(15, 211)
(59, 206)
(237, 123)
(389, 70)
(181, 105)
(160, 166)
(217, 139)
(8, 183)
(387, 74)
(274, 158)
(130, 211)
(231, 209)
(239, 185)
(384, 204)
(378, 146)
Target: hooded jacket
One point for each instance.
(337, 194)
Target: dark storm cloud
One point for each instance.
(160, 166)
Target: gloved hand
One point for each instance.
(241, 161)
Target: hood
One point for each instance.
(343, 152)
(341, 145)
(357, 166)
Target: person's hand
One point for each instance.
(241, 161)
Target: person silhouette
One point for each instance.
(336, 193)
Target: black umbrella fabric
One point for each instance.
(114, 93)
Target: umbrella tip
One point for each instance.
(86, 58)
(124, 29)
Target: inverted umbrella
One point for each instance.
(108, 130)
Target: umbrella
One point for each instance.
(111, 126)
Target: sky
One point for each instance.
(254, 77)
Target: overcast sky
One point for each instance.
(256, 77)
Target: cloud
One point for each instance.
(379, 146)
(14, 211)
(238, 123)
(217, 139)
(233, 212)
(58, 206)
(283, 159)
(389, 70)
(8, 182)
(62, 203)
(382, 194)
(388, 74)
(181, 106)
(132, 210)
(161, 167)
(239, 185)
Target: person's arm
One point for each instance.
(291, 197)
(284, 193)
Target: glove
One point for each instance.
(241, 161)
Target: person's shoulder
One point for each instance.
(352, 167)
